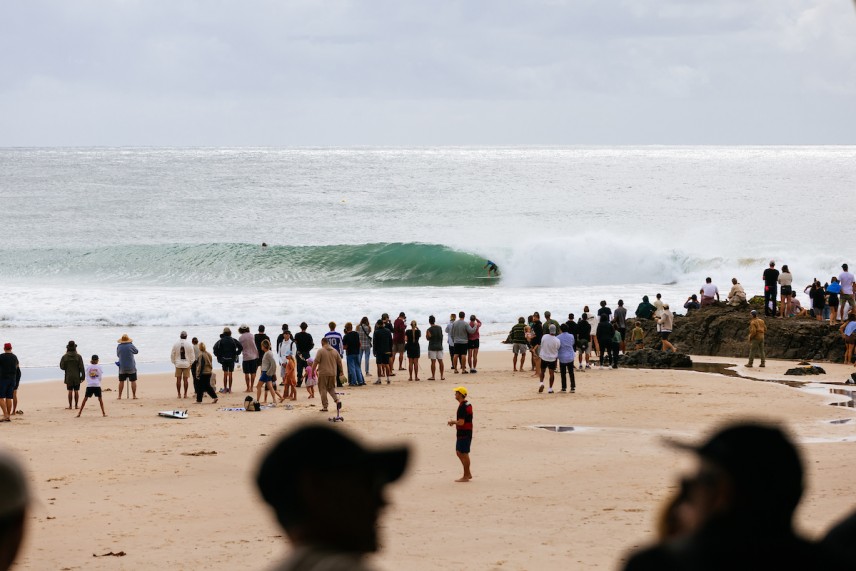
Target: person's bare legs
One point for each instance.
(101, 402)
(4, 408)
(416, 368)
(409, 369)
(249, 388)
(134, 389)
(121, 388)
(465, 462)
(185, 387)
(442, 375)
(14, 401)
(83, 404)
(70, 396)
(178, 386)
(259, 392)
(475, 363)
(401, 361)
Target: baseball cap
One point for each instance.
(462, 390)
(7, 346)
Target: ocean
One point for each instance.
(98, 242)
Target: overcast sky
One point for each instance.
(493, 72)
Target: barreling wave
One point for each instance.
(378, 264)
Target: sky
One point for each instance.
(392, 72)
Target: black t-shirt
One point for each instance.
(258, 338)
(771, 277)
(538, 330)
(583, 330)
(572, 327)
(304, 342)
(8, 366)
(382, 341)
(351, 341)
(604, 311)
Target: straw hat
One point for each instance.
(125, 339)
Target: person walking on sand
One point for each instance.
(460, 335)
(666, 321)
(473, 343)
(463, 424)
(411, 346)
(550, 345)
(127, 364)
(204, 368)
(327, 366)
(519, 343)
(757, 330)
(250, 355)
(227, 350)
(182, 357)
(434, 335)
(72, 364)
(94, 374)
(10, 373)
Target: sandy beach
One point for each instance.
(179, 493)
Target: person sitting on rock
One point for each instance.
(737, 295)
(795, 308)
(709, 292)
(692, 303)
(645, 309)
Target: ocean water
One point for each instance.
(99, 242)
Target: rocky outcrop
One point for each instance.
(655, 359)
(723, 330)
(809, 370)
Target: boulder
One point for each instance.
(810, 370)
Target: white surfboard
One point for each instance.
(173, 413)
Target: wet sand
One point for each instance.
(179, 493)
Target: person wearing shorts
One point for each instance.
(127, 364)
(463, 424)
(846, 279)
(382, 348)
(550, 346)
(94, 374)
(72, 364)
(460, 335)
(182, 357)
(435, 347)
(10, 375)
(227, 349)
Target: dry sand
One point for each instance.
(540, 500)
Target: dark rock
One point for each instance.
(810, 370)
(655, 359)
(722, 330)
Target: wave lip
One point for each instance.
(355, 265)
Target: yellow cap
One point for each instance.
(462, 390)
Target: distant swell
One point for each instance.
(393, 264)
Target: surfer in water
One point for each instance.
(492, 269)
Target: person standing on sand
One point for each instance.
(351, 344)
(10, 373)
(550, 345)
(267, 379)
(182, 357)
(258, 338)
(281, 336)
(583, 340)
(520, 345)
(398, 341)
(94, 374)
(757, 330)
(846, 279)
(451, 342)
(567, 356)
(604, 334)
(771, 283)
(382, 348)
(434, 335)
(464, 432)
(334, 338)
(204, 368)
(250, 355)
(72, 364)
(331, 526)
(666, 321)
(364, 329)
(327, 366)
(460, 335)
(537, 329)
(227, 350)
(619, 317)
(305, 344)
(473, 343)
(127, 364)
(848, 332)
(411, 345)
(737, 295)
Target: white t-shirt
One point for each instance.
(846, 279)
(93, 375)
(550, 347)
(709, 290)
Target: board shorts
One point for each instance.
(848, 297)
(435, 355)
(93, 392)
(461, 348)
(7, 388)
(128, 376)
(463, 445)
(250, 365)
(398, 347)
(623, 331)
(72, 385)
(833, 300)
(520, 348)
(382, 358)
(582, 345)
(473, 344)
(228, 365)
(264, 378)
(548, 365)
(182, 374)
(786, 290)
(664, 335)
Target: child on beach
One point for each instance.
(290, 376)
(93, 373)
(638, 336)
(311, 379)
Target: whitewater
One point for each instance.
(149, 241)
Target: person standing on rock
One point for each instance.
(757, 330)
(846, 279)
(666, 321)
(771, 284)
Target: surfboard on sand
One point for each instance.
(173, 413)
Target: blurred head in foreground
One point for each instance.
(327, 489)
(13, 508)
